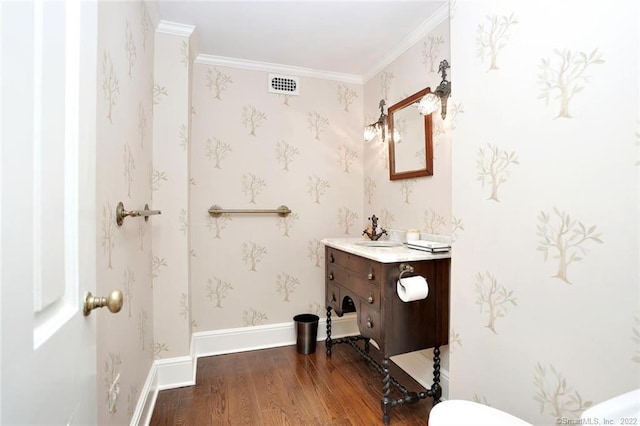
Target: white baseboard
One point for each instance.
(209, 343)
(177, 372)
(147, 399)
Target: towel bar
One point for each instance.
(121, 213)
(216, 211)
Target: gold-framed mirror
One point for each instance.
(410, 139)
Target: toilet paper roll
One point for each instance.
(412, 288)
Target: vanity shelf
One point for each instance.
(364, 278)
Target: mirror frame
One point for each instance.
(428, 139)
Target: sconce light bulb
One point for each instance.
(428, 104)
(369, 133)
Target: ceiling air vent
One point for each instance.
(284, 84)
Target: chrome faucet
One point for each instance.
(371, 230)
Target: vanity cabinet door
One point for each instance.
(369, 322)
(420, 324)
(333, 296)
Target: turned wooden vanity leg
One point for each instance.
(386, 391)
(435, 388)
(328, 339)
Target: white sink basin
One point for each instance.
(378, 244)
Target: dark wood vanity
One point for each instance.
(355, 282)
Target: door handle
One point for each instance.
(113, 302)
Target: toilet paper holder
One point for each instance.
(404, 269)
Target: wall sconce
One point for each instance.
(429, 103)
(372, 129)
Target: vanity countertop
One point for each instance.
(382, 254)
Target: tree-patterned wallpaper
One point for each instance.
(545, 279)
(251, 149)
(420, 203)
(529, 180)
(171, 182)
(124, 146)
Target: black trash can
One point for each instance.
(306, 333)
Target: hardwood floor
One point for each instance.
(282, 387)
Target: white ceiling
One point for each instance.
(347, 37)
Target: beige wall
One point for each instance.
(301, 151)
(425, 202)
(545, 270)
(124, 146)
(170, 182)
(536, 328)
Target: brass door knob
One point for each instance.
(113, 302)
(370, 298)
(370, 275)
(331, 259)
(369, 323)
(332, 298)
(331, 276)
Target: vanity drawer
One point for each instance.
(338, 274)
(369, 322)
(368, 293)
(360, 266)
(365, 268)
(336, 257)
(366, 290)
(371, 296)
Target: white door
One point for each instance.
(48, 232)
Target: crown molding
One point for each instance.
(425, 28)
(175, 28)
(276, 68)
(187, 30)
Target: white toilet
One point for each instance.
(621, 409)
(464, 413)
